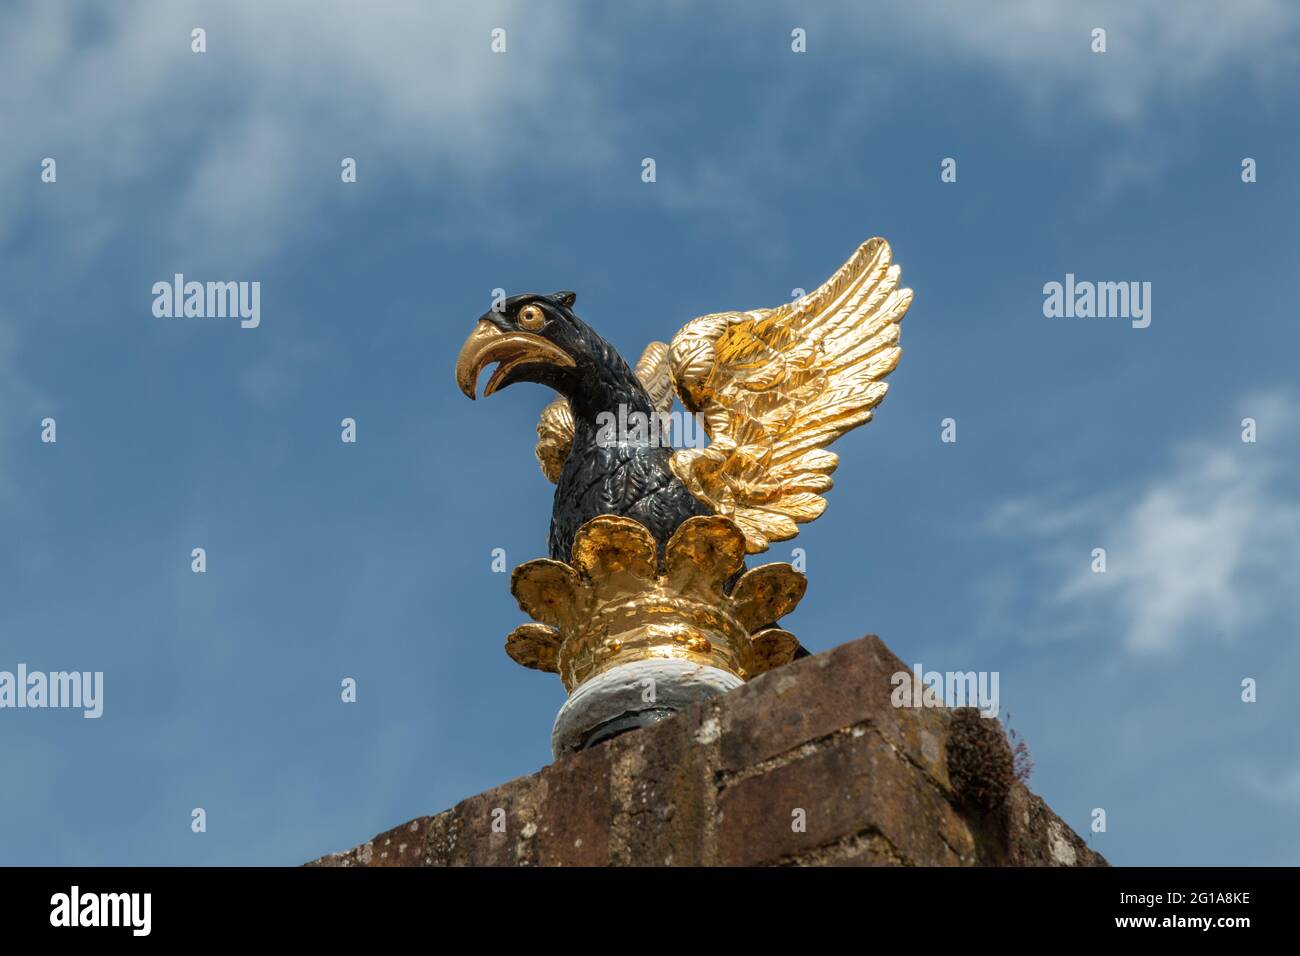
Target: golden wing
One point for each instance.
(555, 426)
(776, 386)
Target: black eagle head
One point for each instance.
(537, 338)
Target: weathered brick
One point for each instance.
(576, 811)
(494, 828)
(400, 846)
(717, 783)
(343, 858)
(1038, 837)
(856, 783)
(811, 698)
(663, 794)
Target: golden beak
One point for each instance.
(487, 344)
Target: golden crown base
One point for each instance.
(615, 602)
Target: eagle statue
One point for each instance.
(773, 387)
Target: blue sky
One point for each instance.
(522, 171)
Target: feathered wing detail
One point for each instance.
(554, 437)
(775, 387)
(555, 426)
(656, 377)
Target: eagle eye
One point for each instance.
(531, 317)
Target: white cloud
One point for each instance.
(1211, 545)
(241, 145)
(1155, 50)
(22, 406)
(1283, 789)
(237, 149)
(277, 373)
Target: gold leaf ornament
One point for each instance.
(777, 386)
(612, 605)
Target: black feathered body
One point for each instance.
(626, 478)
(623, 479)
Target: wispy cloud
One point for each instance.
(1283, 789)
(1207, 547)
(237, 147)
(278, 371)
(1154, 51)
(22, 406)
